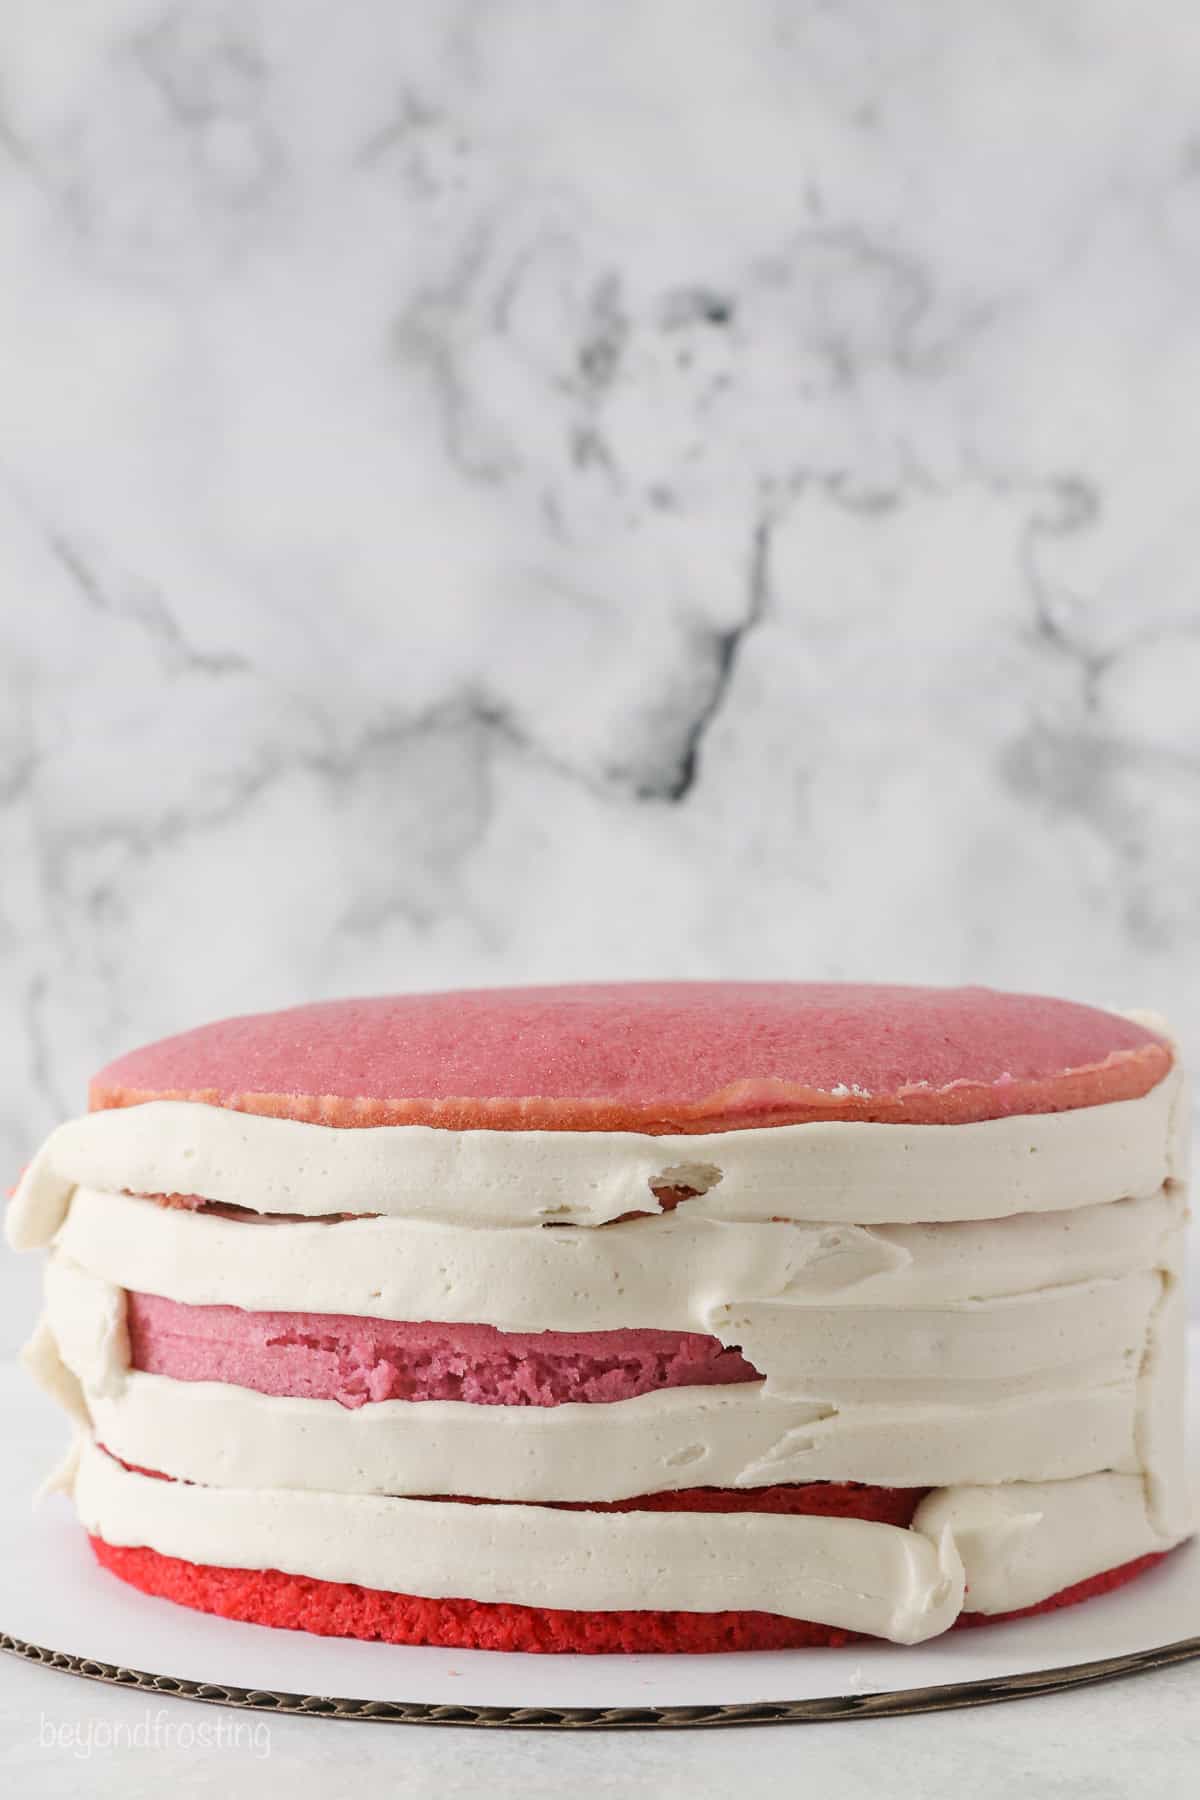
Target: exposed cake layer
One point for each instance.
(341, 1609)
(660, 1057)
(844, 1572)
(1093, 1414)
(839, 1171)
(326, 1356)
(1013, 1546)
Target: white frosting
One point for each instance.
(676, 1438)
(738, 1436)
(786, 1293)
(1161, 1434)
(1024, 1541)
(1016, 1544)
(989, 1310)
(87, 1316)
(43, 1358)
(847, 1573)
(830, 1171)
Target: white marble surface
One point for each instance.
(497, 492)
(494, 492)
(1116, 1742)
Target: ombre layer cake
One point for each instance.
(641, 1317)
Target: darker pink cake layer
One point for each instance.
(329, 1356)
(654, 1057)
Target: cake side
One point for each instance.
(776, 1383)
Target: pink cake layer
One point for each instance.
(655, 1057)
(330, 1356)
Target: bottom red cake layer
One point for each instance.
(342, 1609)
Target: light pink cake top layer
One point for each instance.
(329, 1356)
(656, 1057)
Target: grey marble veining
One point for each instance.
(499, 492)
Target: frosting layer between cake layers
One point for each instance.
(989, 1311)
(831, 1171)
(967, 1430)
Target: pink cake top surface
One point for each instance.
(657, 1057)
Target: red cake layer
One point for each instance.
(330, 1356)
(653, 1057)
(1071, 1596)
(341, 1609)
(819, 1499)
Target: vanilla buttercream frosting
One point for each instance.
(829, 1171)
(842, 1572)
(739, 1436)
(989, 1311)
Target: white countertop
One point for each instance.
(1134, 1737)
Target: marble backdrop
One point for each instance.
(495, 491)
